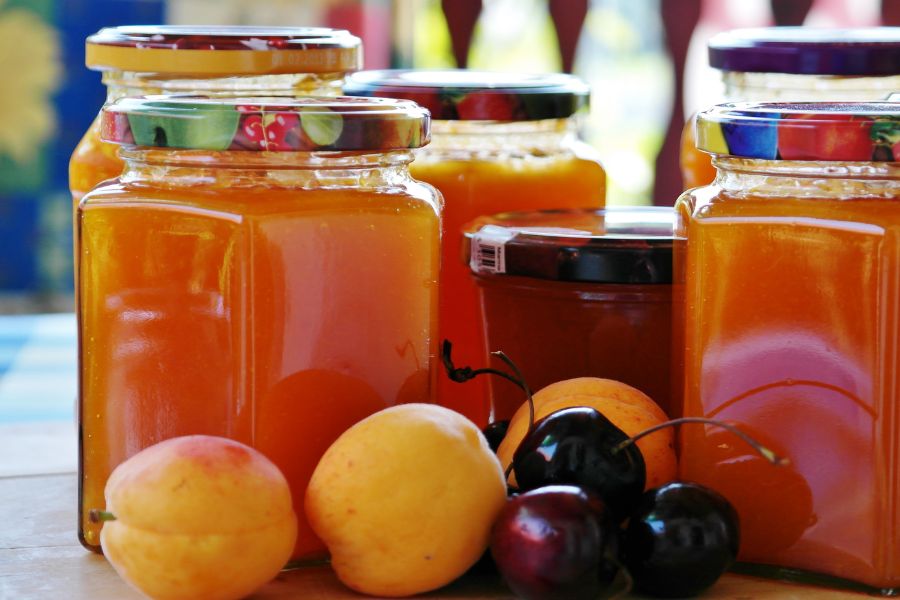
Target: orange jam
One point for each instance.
(575, 293)
(791, 285)
(501, 142)
(272, 297)
(800, 64)
(214, 61)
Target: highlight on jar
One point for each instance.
(502, 142)
(794, 64)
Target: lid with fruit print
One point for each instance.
(872, 51)
(847, 132)
(630, 245)
(304, 124)
(477, 95)
(237, 50)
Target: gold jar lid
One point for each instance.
(217, 51)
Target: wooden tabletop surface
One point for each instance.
(40, 556)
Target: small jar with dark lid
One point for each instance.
(574, 293)
(501, 142)
(796, 64)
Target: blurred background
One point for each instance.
(645, 59)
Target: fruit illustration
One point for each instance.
(405, 500)
(556, 542)
(494, 106)
(213, 129)
(628, 408)
(197, 517)
(846, 138)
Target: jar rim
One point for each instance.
(221, 50)
(626, 245)
(279, 124)
(466, 95)
(818, 131)
(808, 50)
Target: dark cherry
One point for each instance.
(577, 446)
(495, 432)
(680, 539)
(556, 542)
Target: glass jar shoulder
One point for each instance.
(800, 205)
(93, 161)
(224, 195)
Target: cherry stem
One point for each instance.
(100, 516)
(766, 453)
(463, 374)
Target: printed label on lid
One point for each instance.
(488, 254)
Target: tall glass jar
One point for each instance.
(796, 64)
(501, 142)
(791, 285)
(264, 270)
(213, 61)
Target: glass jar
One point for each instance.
(213, 61)
(791, 284)
(796, 64)
(501, 142)
(272, 295)
(576, 293)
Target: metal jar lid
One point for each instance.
(624, 245)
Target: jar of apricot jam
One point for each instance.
(789, 265)
(214, 61)
(271, 292)
(575, 293)
(796, 64)
(501, 142)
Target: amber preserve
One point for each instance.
(272, 292)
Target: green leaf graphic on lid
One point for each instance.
(210, 127)
(885, 131)
(321, 125)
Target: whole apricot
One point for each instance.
(626, 407)
(198, 517)
(405, 500)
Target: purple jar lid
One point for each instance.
(873, 51)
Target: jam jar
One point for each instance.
(264, 269)
(214, 61)
(803, 64)
(789, 270)
(501, 142)
(576, 293)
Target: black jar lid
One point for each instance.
(630, 245)
(863, 51)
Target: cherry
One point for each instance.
(579, 446)
(556, 542)
(495, 432)
(680, 538)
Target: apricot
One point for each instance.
(598, 386)
(198, 517)
(628, 408)
(405, 500)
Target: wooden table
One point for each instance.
(40, 556)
